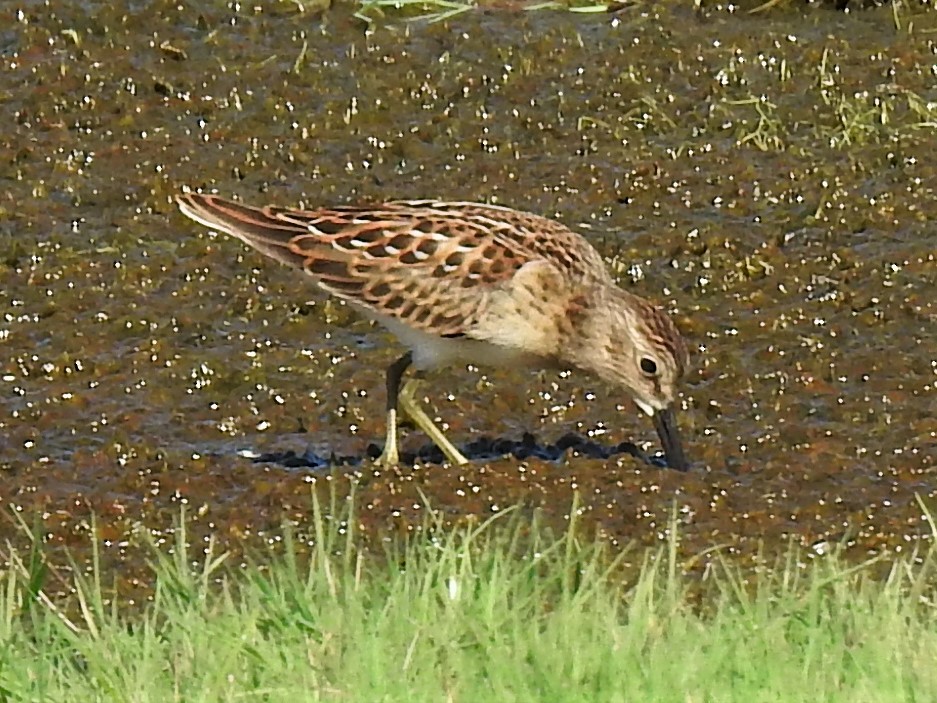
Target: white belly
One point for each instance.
(432, 352)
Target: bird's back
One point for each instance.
(429, 264)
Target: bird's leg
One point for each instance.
(405, 400)
(390, 456)
(410, 405)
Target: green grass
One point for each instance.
(902, 17)
(441, 10)
(496, 612)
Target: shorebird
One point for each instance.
(468, 283)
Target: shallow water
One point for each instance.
(766, 178)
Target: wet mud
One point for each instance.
(481, 449)
(768, 178)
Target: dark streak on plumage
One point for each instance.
(664, 333)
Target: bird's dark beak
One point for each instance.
(669, 434)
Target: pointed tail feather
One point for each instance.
(258, 227)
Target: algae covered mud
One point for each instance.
(767, 177)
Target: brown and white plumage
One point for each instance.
(472, 283)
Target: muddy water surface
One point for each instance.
(769, 179)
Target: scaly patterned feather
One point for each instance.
(431, 265)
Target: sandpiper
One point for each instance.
(468, 283)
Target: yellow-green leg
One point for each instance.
(391, 456)
(410, 405)
(405, 399)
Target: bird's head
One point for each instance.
(642, 350)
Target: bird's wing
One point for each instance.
(431, 265)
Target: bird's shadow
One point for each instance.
(482, 449)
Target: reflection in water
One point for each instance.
(482, 449)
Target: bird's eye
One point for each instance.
(648, 366)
